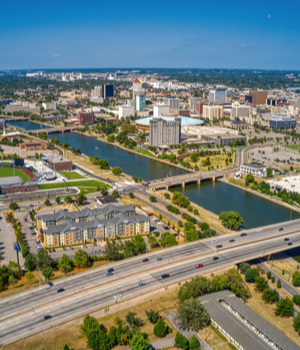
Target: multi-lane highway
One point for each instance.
(179, 262)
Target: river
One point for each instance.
(216, 197)
(219, 196)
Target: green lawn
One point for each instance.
(72, 175)
(144, 151)
(6, 172)
(295, 147)
(88, 186)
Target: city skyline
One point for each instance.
(55, 35)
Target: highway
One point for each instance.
(128, 286)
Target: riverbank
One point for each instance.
(277, 201)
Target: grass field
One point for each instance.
(218, 162)
(72, 175)
(6, 172)
(295, 147)
(88, 186)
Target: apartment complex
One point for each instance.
(240, 111)
(126, 111)
(89, 225)
(212, 111)
(160, 108)
(164, 132)
(173, 102)
(217, 95)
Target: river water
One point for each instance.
(216, 197)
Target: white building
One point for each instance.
(49, 105)
(212, 111)
(240, 111)
(160, 108)
(217, 95)
(126, 111)
(254, 169)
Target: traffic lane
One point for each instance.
(83, 304)
(186, 250)
(286, 286)
(81, 282)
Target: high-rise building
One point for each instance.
(105, 91)
(126, 111)
(212, 111)
(164, 132)
(160, 108)
(217, 95)
(173, 102)
(139, 99)
(257, 97)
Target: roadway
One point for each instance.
(127, 285)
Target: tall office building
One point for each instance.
(257, 97)
(105, 91)
(164, 132)
(173, 102)
(139, 99)
(217, 95)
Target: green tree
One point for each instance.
(30, 262)
(98, 341)
(181, 341)
(152, 315)
(117, 171)
(43, 259)
(152, 199)
(65, 264)
(120, 332)
(47, 272)
(112, 251)
(29, 276)
(138, 342)
(112, 336)
(167, 239)
(12, 280)
(278, 284)
(153, 241)
(270, 296)
(198, 286)
(90, 325)
(296, 278)
(166, 195)
(68, 199)
(192, 314)
(47, 202)
(231, 219)
(269, 172)
(251, 274)
(179, 223)
(260, 284)
(80, 199)
(160, 329)
(14, 269)
(269, 275)
(296, 299)
(193, 343)
(131, 195)
(10, 217)
(104, 191)
(115, 194)
(191, 235)
(284, 308)
(81, 259)
(57, 200)
(13, 206)
(249, 178)
(296, 322)
(66, 347)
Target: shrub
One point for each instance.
(270, 296)
(251, 274)
(284, 308)
(160, 330)
(269, 275)
(296, 278)
(296, 299)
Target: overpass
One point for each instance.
(23, 313)
(53, 130)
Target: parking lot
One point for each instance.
(42, 195)
(267, 156)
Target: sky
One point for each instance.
(257, 34)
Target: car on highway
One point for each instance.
(159, 258)
(258, 230)
(215, 258)
(219, 246)
(165, 275)
(290, 243)
(214, 241)
(150, 214)
(198, 266)
(145, 260)
(118, 296)
(60, 290)
(141, 284)
(110, 270)
(47, 317)
(109, 274)
(25, 219)
(281, 229)
(286, 239)
(232, 240)
(243, 234)
(166, 227)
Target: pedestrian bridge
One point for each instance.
(53, 130)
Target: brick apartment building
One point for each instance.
(33, 145)
(85, 117)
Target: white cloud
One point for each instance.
(56, 55)
(269, 16)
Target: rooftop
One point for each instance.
(185, 121)
(10, 180)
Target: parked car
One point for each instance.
(166, 227)
(198, 266)
(150, 214)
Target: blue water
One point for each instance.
(27, 125)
